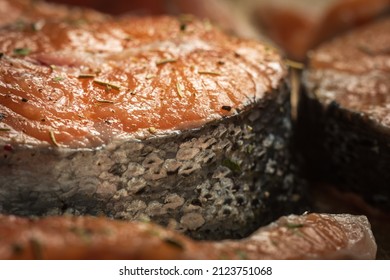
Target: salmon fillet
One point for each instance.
(311, 236)
(345, 112)
(85, 85)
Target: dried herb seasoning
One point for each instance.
(22, 51)
(205, 72)
(179, 90)
(86, 76)
(107, 84)
(165, 61)
(294, 64)
(174, 243)
(53, 138)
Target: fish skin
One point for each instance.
(344, 112)
(211, 158)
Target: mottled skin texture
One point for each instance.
(311, 236)
(199, 143)
(345, 114)
(223, 180)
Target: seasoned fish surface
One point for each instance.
(312, 236)
(163, 119)
(345, 112)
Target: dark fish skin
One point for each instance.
(309, 236)
(344, 113)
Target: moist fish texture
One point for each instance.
(299, 26)
(163, 119)
(310, 236)
(344, 113)
(19, 14)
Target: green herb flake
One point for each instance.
(1, 55)
(205, 72)
(224, 256)
(165, 61)
(294, 64)
(152, 232)
(83, 233)
(293, 226)
(53, 138)
(22, 51)
(36, 248)
(86, 76)
(241, 255)
(58, 79)
(104, 101)
(179, 90)
(174, 243)
(183, 26)
(184, 20)
(107, 84)
(233, 166)
(19, 25)
(4, 129)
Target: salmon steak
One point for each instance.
(309, 236)
(145, 118)
(344, 113)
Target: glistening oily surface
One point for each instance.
(34, 13)
(82, 85)
(130, 91)
(353, 71)
(309, 236)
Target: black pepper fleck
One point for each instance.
(183, 26)
(24, 99)
(174, 243)
(226, 108)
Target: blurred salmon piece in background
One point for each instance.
(300, 25)
(296, 26)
